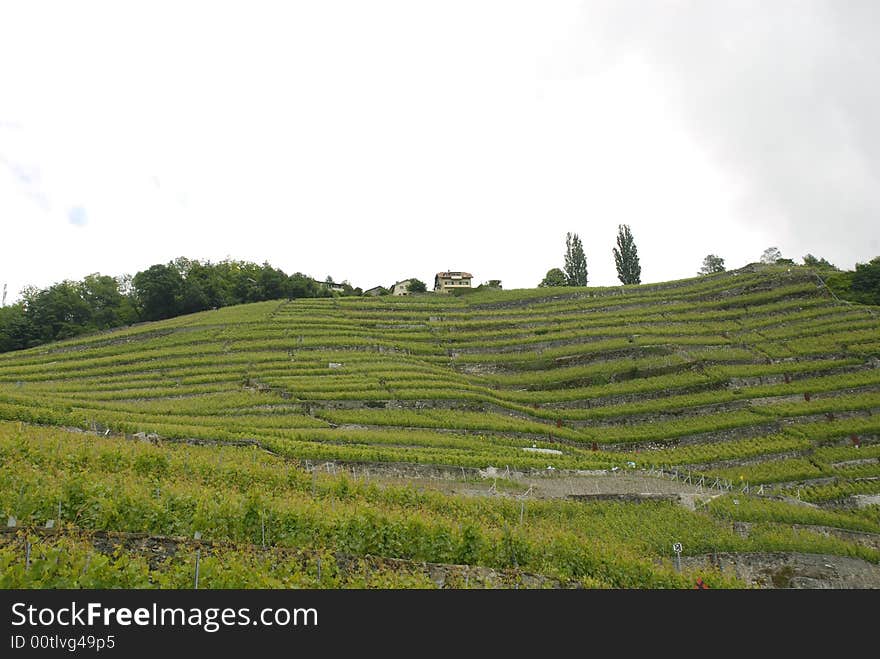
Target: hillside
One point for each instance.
(536, 431)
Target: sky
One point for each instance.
(377, 141)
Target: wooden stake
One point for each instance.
(198, 560)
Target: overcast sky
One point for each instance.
(374, 141)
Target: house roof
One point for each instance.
(318, 281)
(463, 275)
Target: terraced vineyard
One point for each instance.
(755, 387)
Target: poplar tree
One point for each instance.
(626, 257)
(575, 261)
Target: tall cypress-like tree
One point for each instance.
(575, 261)
(626, 257)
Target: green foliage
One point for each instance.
(861, 285)
(108, 305)
(64, 310)
(866, 282)
(238, 502)
(575, 261)
(711, 265)
(818, 263)
(554, 277)
(16, 328)
(706, 374)
(158, 291)
(771, 255)
(626, 257)
(58, 311)
(417, 286)
(754, 509)
(162, 291)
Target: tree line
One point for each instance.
(101, 302)
(860, 285)
(574, 271)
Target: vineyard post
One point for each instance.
(676, 547)
(27, 555)
(198, 560)
(319, 570)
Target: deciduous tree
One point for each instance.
(815, 262)
(575, 261)
(158, 291)
(712, 264)
(771, 255)
(554, 277)
(626, 257)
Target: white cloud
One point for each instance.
(375, 141)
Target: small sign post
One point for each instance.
(676, 547)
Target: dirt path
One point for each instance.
(581, 486)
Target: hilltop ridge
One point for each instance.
(757, 382)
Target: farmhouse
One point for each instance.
(338, 288)
(449, 281)
(401, 287)
(375, 291)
